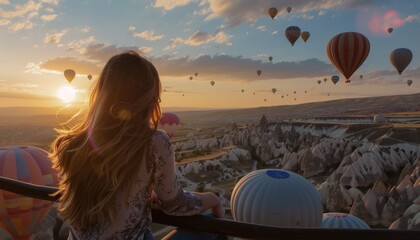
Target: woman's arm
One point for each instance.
(171, 198)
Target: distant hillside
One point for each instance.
(357, 106)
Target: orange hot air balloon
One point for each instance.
(390, 30)
(347, 51)
(20, 215)
(305, 36)
(400, 59)
(69, 74)
(272, 12)
(292, 34)
(335, 79)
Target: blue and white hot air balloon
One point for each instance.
(276, 197)
(342, 220)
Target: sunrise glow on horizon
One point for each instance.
(194, 42)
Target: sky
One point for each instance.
(222, 41)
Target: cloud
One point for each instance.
(79, 45)
(102, 52)
(262, 28)
(20, 95)
(200, 38)
(236, 12)
(79, 66)
(26, 15)
(85, 29)
(145, 50)
(49, 17)
(4, 22)
(148, 35)
(55, 37)
(170, 4)
(412, 18)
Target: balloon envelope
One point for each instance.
(319, 81)
(196, 74)
(169, 122)
(89, 77)
(347, 51)
(69, 74)
(400, 58)
(390, 30)
(325, 79)
(335, 79)
(292, 33)
(361, 77)
(274, 90)
(289, 9)
(21, 215)
(409, 82)
(305, 36)
(212, 83)
(276, 197)
(272, 12)
(191, 77)
(342, 220)
(259, 72)
(270, 58)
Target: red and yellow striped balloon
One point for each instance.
(20, 215)
(347, 51)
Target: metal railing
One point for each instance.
(229, 227)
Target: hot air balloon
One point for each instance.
(242, 90)
(289, 9)
(390, 30)
(212, 83)
(305, 91)
(282, 96)
(379, 118)
(259, 72)
(253, 93)
(305, 36)
(409, 82)
(292, 33)
(295, 99)
(294, 92)
(169, 122)
(328, 94)
(191, 77)
(265, 100)
(335, 79)
(347, 81)
(325, 79)
(21, 215)
(272, 12)
(270, 58)
(319, 81)
(183, 95)
(89, 77)
(274, 90)
(361, 77)
(196, 74)
(342, 220)
(69, 74)
(347, 51)
(294, 203)
(400, 58)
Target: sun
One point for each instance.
(66, 93)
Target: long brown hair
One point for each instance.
(102, 154)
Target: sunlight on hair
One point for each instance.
(66, 93)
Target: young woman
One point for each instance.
(114, 158)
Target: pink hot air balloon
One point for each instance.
(21, 215)
(169, 123)
(347, 51)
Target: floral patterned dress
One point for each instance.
(134, 217)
